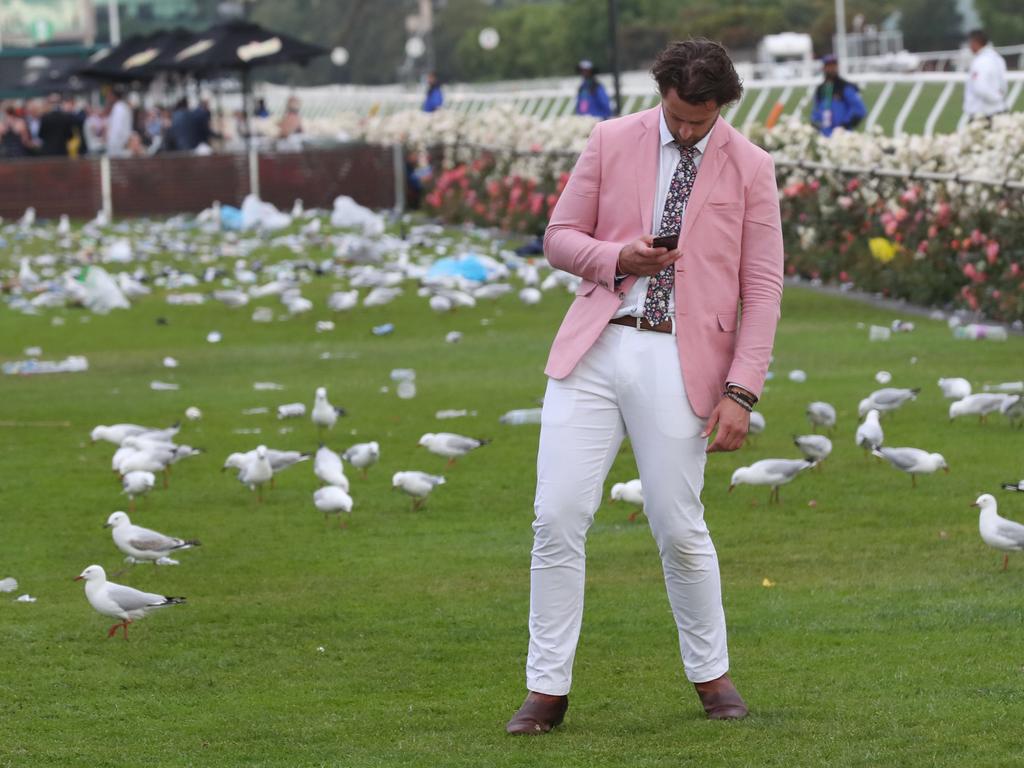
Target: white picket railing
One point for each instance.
(919, 103)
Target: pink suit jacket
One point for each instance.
(731, 245)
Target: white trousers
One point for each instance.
(629, 382)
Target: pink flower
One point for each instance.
(992, 251)
(970, 272)
(890, 228)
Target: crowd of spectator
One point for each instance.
(122, 127)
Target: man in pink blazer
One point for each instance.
(667, 345)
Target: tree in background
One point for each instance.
(1003, 20)
(931, 25)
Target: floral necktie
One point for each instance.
(659, 289)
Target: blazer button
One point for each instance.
(622, 294)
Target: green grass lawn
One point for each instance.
(889, 638)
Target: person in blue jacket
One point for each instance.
(435, 98)
(837, 102)
(592, 99)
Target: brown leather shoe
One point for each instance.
(539, 714)
(721, 700)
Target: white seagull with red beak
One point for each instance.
(998, 532)
(119, 601)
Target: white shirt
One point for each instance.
(985, 90)
(119, 129)
(668, 159)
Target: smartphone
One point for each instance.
(666, 241)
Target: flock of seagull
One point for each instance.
(144, 452)
(1006, 399)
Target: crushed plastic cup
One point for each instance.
(291, 410)
(164, 386)
(263, 315)
(879, 333)
(403, 374)
(263, 386)
(902, 326)
(383, 330)
(978, 331)
(214, 337)
(72, 364)
(193, 414)
(1008, 387)
(453, 413)
(33, 351)
(883, 377)
(25, 599)
(406, 389)
(170, 362)
(453, 337)
(798, 376)
(8, 584)
(521, 416)
(322, 326)
(255, 411)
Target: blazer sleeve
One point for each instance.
(569, 242)
(761, 257)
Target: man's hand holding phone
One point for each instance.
(642, 257)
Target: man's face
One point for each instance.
(974, 44)
(689, 123)
(832, 70)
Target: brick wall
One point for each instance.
(53, 185)
(167, 184)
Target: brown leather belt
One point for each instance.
(642, 324)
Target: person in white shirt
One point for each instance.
(119, 127)
(985, 90)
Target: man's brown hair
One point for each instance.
(699, 71)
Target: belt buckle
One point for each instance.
(639, 321)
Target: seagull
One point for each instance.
(115, 433)
(137, 483)
(998, 532)
(450, 445)
(324, 414)
(1013, 409)
(416, 484)
(141, 543)
(886, 399)
(256, 471)
(869, 434)
(980, 405)
(756, 425)
(813, 447)
(279, 460)
(362, 456)
(821, 414)
(119, 601)
(328, 468)
(332, 500)
(955, 388)
(773, 472)
(631, 492)
(913, 461)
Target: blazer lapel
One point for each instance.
(646, 167)
(707, 175)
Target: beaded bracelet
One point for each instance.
(748, 398)
(737, 399)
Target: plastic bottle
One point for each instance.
(978, 331)
(522, 416)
